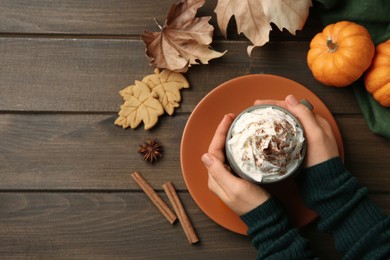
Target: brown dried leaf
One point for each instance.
(253, 17)
(140, 105)
(184, 39)
(166, 86)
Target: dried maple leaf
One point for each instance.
(140, 105)
(184, 39)
(166, 86)
(253, 17)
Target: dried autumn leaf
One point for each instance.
(166, 86)
(140, 105)
(253, 17)
(184, 39)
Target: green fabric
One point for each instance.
(375, 16)
(273, 236)
(360, 229)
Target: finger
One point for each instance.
(217, 144)
(304, 114)
(280, 103)
(221, 181)
(216, 188)
(323, 123)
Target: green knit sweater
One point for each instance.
(360, 229)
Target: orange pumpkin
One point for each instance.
(340, 54)
(377, 79)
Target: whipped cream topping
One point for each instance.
(266, 143)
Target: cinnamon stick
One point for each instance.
(180, 212)
(154, 197)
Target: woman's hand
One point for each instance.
(321, 143)
(240, 195)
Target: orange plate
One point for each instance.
(234, 96)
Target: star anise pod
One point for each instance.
(152, 150)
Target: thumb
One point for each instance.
(303, 113)
(221, 178)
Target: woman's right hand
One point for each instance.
(321, 143)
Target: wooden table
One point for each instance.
(65, 186)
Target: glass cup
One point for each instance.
(274, 177)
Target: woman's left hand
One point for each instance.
(238, 194)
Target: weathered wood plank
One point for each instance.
(99, 17)
(361, 148)
(66, 151)
(121, 225)
(46, 74)
(63, 63)
(81, 17)
(103, 225)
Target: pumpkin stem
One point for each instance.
(332, 46)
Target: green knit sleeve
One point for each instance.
(360, 229)
(272, 235)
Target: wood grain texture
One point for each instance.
(103, 225)
(65, 151)
(48, 74)
(65, 185)
(113, 18)
(121, 225)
